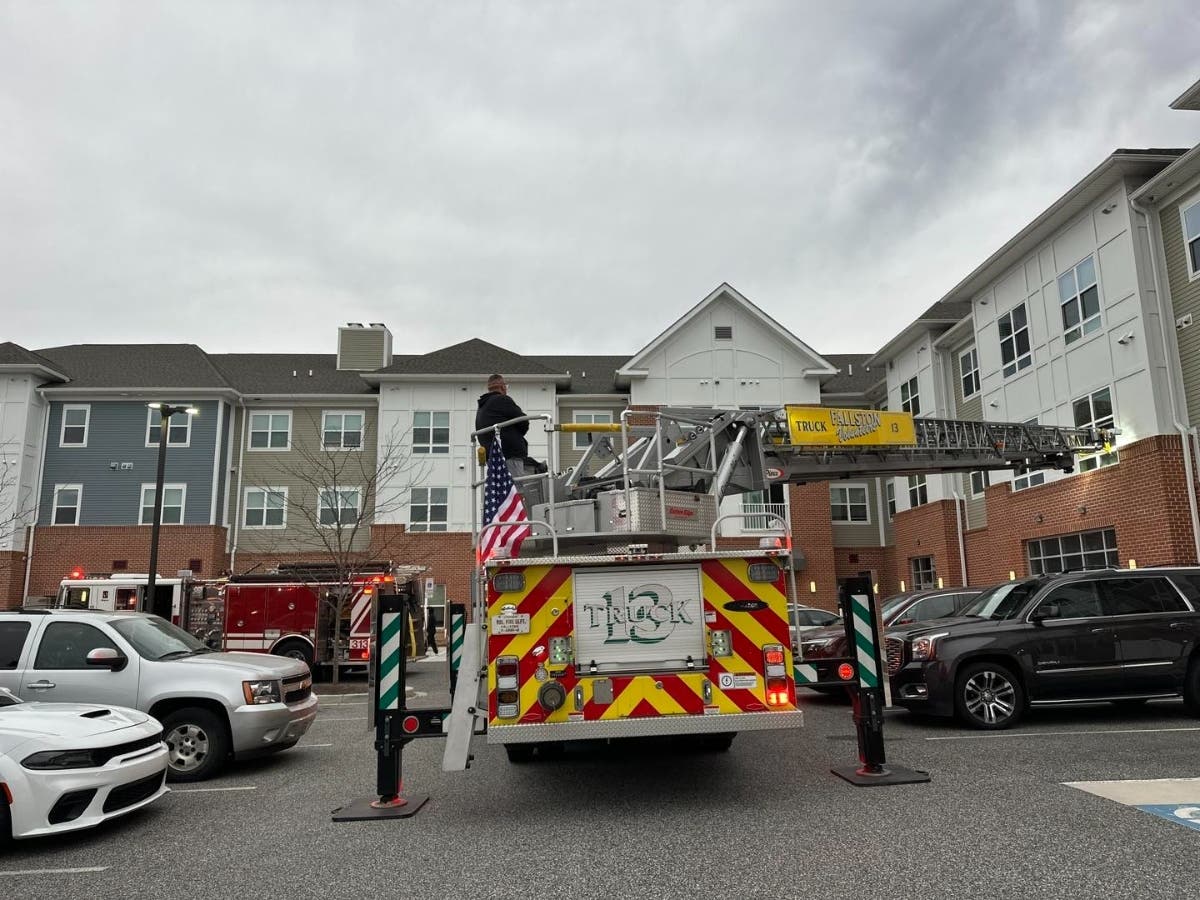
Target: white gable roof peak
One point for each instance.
(820, 365)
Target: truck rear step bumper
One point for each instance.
(577, 730)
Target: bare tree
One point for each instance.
(17, 509)
(338, 487)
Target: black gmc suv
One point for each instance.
(1124, 636)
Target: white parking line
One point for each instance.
(311, 746)
(211, 790)
(77, 871)
(341, 718)
(1020, 734)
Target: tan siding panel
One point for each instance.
(1185, 297)
(361, 349)
(856, 535)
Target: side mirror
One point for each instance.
(107, 658)
(1044, 612)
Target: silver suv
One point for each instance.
(213, 706)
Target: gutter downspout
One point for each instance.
(37, 506)
(237, 503)
(962, 548)
(1184, 430)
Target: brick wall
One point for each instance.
(880, 561)
(448, 555)
(928, 530)
(812, 535)
(12, 579)
(94, 548)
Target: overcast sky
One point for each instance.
(550, 176)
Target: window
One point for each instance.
(270, 430)
(65, 645)
(1141, 596)
(910, 400)
(1095, 410)
(848, 503)
(1191, 237)
(172, 504)
(429, 509)
(179, 430)
(918, 491)
(583, 441)
(889, 490)
(74, 432)
(12, 640)
(66, 504)
(923, 573)
(979, 482)
(937, 607)
(968, 368)
(1079, 296)
(812, 618)
(1079, 600)
(1086, 550)
(1028, 479)
(342, 431)
(431, 432)
(1015, 353)
(339, 508)
(266, 507)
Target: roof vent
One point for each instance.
(723, 332)
(354, 325)
(363, 349)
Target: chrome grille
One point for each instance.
(895, 654)
(297, 688)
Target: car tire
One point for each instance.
(1191, 688)
(5, 824)
(295, 650)
(197, 744)
(988, 695)
(519, 753)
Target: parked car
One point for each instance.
(1121, 636)
(213, 706)
(804, 619)
(66, 766)
(824, 648)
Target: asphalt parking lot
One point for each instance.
(999, 819)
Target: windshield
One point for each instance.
(155, 638)
(1002, 602)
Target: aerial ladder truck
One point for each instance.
(625, 614)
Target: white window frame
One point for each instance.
(866, 503)
(143, 505)
(78, 488)
(1102, 459)
(153, 420)
(1193, 265)
(87, 424)
(1022, 361)
(430, 524)
(430, 447)
(270, 413)
(985, 478)
(912, 402)
(362, 431)
(1092, 323)
(920, 583)
(971, 374)
(916, 485)
(266, 492)
(588, 417)
(323, 492)
(889, 492)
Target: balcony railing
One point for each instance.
(759, 516)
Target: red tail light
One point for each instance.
(779, 689)
(846, 672)
(774, 657)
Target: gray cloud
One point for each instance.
(555, 177)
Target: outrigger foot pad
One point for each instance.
(860, 777)
(370, 810)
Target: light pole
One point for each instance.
(165, 412)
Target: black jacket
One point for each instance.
(496, 407)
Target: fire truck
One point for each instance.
(288, 611)
(626, 613)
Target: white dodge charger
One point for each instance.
(65, 766)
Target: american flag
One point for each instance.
(502, 503)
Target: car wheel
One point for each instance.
(519, 753)
(296, 650)
(5, 823)
(1191, 688)
(197, 744)
(988, 695)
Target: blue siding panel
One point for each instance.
(117, 434)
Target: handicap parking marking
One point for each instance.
(1174, 799)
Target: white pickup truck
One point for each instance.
(213, 706)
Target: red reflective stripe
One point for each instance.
(683, 694)
(728, 582)
(532, 604)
